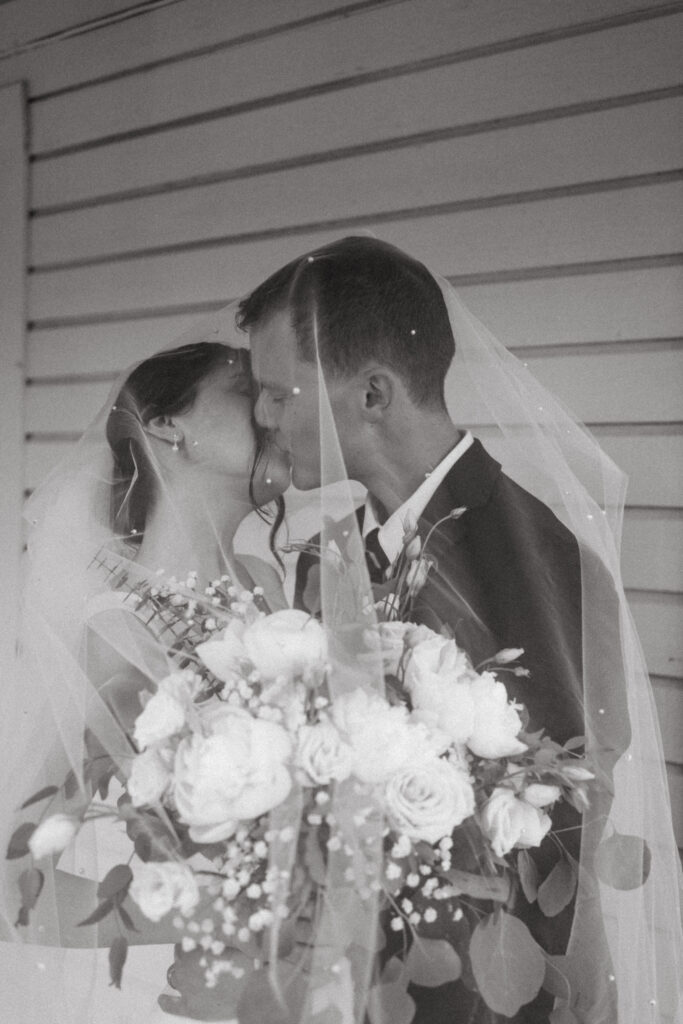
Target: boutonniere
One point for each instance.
(414, 564)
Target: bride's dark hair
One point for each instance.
(165, 384)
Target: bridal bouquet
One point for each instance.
(243, 756)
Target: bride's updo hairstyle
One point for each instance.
(370, 301)
(164, 384)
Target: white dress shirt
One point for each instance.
(392, 531)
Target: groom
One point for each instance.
(377, 321)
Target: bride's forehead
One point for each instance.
(233, 373)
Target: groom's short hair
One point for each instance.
(360, 299)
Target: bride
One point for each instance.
(155, 491)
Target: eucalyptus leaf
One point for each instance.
(575, 743)
(118, 952)
(40, 795)
(528, 875)
(98, 913)
(507, 963)
(115, 884)
(18, 844)
(30, 886)
(313, 857)
(390, 1001)
(556, 981)
(126, 918)
(623, 861)
(432, 962)
(556, 891)
(71, 784)
(563, 1015)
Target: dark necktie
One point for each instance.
(375, 557)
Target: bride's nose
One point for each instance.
(263, 413)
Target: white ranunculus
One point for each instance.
(427, 801)
(389, 639)
(224, 656)
(236, 771)
(286, 644)
(496, 720)
(53, 835)
(323, 754)
(149, 776)
(509, 821)
(381, 737)
(416, 635)
(159, 887)
(538, 794)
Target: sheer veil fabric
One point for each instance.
(54, 708)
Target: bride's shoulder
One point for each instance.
(265, 576)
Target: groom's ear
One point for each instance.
(378, 394)
(164, 428)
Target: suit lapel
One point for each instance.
(454, 593)
(468, 485)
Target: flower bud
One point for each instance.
(53, 835)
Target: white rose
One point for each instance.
(236, 771)
(539, 794)
(223, 657)
(435, 656)
(323, 754)
(437, 678)
(149, 776)
(509, 821)
(286, 643)
(429, 800)
(165, 712)
(161, 886)
(161, 717)
(382, 737)
(496, 721)
(53, 835)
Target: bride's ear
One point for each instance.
(164, 428)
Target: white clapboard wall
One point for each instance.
(532, 150)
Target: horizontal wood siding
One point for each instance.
(530, 151)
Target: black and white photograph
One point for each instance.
(341, 511)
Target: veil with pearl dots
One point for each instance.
(80, 651)
(543, 448)
(624, 958)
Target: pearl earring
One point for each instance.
(175, 446)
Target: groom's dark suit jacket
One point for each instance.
(509, 574)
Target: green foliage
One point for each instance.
(508, 965)
(623, 861)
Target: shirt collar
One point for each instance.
(392, 531)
